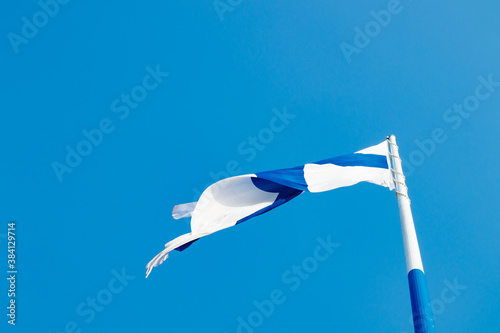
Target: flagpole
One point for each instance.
(423, 319)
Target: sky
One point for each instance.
(112, 113)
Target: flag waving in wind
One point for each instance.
(236, 199)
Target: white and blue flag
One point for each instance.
(236, 199)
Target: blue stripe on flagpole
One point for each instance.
(420, 303)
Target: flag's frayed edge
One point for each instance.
(172, 245)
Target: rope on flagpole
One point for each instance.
(400, 174)
(395, 156)
(404, 195)
(402, 184)
(399, 182)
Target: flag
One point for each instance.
(236, 199)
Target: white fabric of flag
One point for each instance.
(236, 199)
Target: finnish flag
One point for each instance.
(236, 199)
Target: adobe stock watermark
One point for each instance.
(222, 6)
(454, 116)
(250, 147)
(121, 107)
(448, 295)
(31, 26)
(364, 36)
(88, 309)
(292, 279)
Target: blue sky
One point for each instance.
(206, 80)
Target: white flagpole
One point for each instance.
(423, 319)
